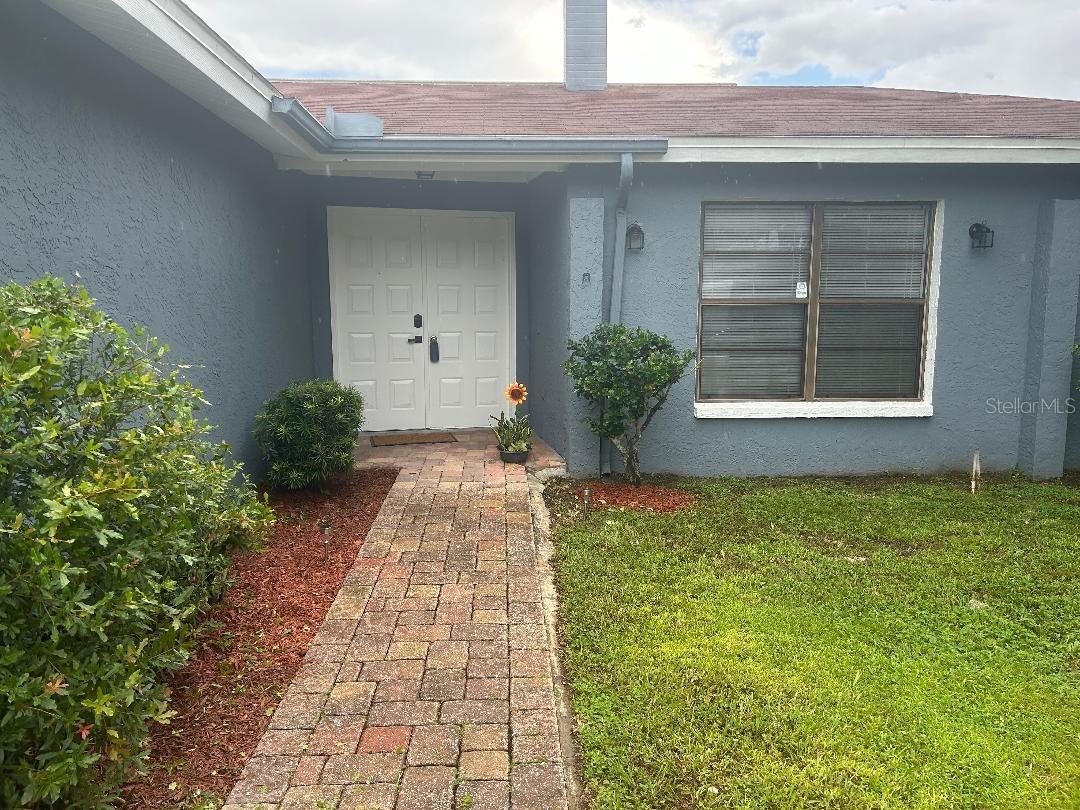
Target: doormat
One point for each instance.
(390, 439)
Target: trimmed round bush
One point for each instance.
(308, 432)
(115, 518)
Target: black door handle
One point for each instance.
(433, 349)
(416, 339)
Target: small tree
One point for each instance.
(626, 375)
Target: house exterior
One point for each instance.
(825, 250)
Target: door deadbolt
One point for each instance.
(417, 321)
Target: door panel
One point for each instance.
(453, 269)
(376, 272)
(467, 265)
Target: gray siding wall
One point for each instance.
(983, 318)
(172, 219)
(1072, 443)
(569, 222)
(549, 391)
(1051, 335)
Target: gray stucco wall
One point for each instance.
(172, 219)
(572, 226)
(983, 318)
(1051, 334)
(320, 192)
(549, 391)
(1072, 439)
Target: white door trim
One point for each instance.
(508, 216)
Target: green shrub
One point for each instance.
(626, 374)
(308, 432)
(115, 514)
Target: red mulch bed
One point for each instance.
(251, 644)
(642, 496)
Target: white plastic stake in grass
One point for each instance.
(976, 473)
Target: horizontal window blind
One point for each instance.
(872, 275)
(749, 275)
(873, 251)
(887, 228)
(869, 350)
(855, 275)
(756, 251)
(753, 350)
(757, 228)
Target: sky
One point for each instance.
(1016, 47)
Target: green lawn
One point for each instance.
(889, 642)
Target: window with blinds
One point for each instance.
(807, 301)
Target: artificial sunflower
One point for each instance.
(516, 393)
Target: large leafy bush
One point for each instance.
(115, 514)
(308, 432)
(626, 374)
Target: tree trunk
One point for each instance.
(632, 464)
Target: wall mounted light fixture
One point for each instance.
(635, 238)
(982, 237)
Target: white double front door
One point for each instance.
(421, 314)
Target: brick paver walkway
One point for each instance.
(429, 684)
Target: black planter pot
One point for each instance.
(513, 458)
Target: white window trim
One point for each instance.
(853, 408)
(770, 409)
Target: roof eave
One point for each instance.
(301, 120)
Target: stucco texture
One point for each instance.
(171, 219)
(1072, 444)
(548, 280)
(983, 319)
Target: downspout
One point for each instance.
(618, 264)
(622, 197)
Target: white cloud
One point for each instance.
(1022, 48)
(651, 43)
(383, 39)
(1025, 47)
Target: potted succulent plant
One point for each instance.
(513, 434)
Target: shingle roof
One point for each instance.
(674, 110)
